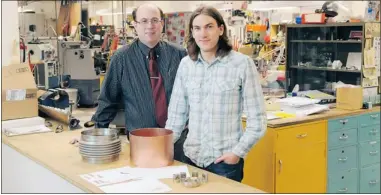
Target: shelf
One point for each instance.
(325, 69)
(323, 41)
(326, 25)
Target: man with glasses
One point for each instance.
(141, 76)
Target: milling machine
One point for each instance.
(76, 59)
(43, 62)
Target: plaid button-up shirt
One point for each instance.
(213, 97)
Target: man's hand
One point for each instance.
(228, 158)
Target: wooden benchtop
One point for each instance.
(276, 123)
(53, 151)
(332, 113)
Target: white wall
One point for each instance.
(49, 9)
(9, 33)
(166, 6)
(46, 7)
(284, 9)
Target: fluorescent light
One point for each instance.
(25, 10)
(272, 8)
(107, 12)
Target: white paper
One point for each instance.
(354, 60)
(370, 73)
(376, 46)
(370, 91)
(297, 101)
(158, 173)
(107, 177)
(97, 37)
(146, 185)
(26, 130)
(369, 59)
(122, 174)
(15, 94)
(306, 110)
(24, 126)
(271, 116)
(24, 122)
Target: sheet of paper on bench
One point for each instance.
(146, 185)
(107, 177)
(159, 173)
(122, 174)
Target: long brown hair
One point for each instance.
(223, 44)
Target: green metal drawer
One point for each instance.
(342, 159)
(369, 119)
(342, 123)
(370, 179)
(369, 133)
(342, 138)
(369, 152)
(343, 182)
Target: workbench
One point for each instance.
(337, 151)
(47, 163)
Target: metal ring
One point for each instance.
(59, 129)
(48, 124)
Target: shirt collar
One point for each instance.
(145, 49)
(220, 59)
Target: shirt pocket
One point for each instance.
(227, 91)
(194, 91)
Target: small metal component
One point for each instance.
(191, 182)
(48, 124)
(59, 129)
(195, 180)
(204, 177)
(194, 174)
(183, 175)
(71, 103)
(176, 178)
(74, 141)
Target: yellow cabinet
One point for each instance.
(301, 170)
(289, 160)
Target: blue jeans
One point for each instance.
(178, 147)
(234, 172)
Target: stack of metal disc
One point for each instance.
(100, 145)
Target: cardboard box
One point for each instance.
(349, 98)
(19, 92)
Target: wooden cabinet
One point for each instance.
(289, 160)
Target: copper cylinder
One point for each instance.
(151, 147)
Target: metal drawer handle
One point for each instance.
(374, 131)
(343, 137)
(302, 135)
(373, 181)
(373, 152)
(343, 190)
(343, 159)
(280, 165)
(344, 121)
(374, 116)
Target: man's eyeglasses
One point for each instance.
(153, 21)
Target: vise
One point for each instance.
(57, 98)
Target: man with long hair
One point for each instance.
(214, 85)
